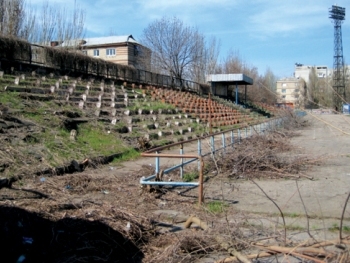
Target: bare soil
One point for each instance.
(103, 214)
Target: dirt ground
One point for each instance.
(103, 215)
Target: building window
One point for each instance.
(84, 52)
(96, 53)
(283, 90)
(110, 52)
(284, 85)
(137, 50)
(284, 96)
(296, 90)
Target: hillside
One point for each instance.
(48, 120)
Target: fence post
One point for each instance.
(212, 144)
(182, 160)
(199, 151)
(157, 163)
(232, 138)
(223, 142)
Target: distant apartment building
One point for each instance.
(123, 50)
(303, 71)
(289, 92)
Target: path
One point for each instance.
(324, 197)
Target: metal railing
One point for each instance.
(226, 139)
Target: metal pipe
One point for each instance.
(236, 93)
(232, 138)
(212, 144)
(157, 163)
(174, 184)
(199, 145)
(170, 169)
(223, 142)
(200, 194)
(210, 124)
(182, 161)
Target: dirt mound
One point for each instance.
(31, 236)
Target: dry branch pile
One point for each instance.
(263, 156)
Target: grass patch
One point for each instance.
(189, 177)
(155, 106)
(130, 154)
(216, 207)
(295, 227)
(11, 99)
(335, 227)
(98, 140)
(292, 215)
(92, 140)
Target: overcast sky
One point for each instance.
(265, 33)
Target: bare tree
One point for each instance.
(10, 15)
(60, 25)
(175, 47)
(207, 60)
(18, 19)
(267, 83)
(46, 26)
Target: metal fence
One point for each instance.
(219, 141)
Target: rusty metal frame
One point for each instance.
(155, 153)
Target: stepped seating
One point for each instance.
(268, 108)
(107, 102)
(198, 107)
(110, 102)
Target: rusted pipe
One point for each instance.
(200, 194)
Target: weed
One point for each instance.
(216, 207)
(11, 99)
(292, 215)
(155, 106)
(129, 154)
(295, 227)
(189, 177)
(335, 227)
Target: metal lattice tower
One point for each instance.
(337, 14)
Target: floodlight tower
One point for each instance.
(338, 15)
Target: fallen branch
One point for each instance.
(197, 221)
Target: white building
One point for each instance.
(303, 71)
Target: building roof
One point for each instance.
(288, 79)
(108, 40)
(230, 79)
(98, 41)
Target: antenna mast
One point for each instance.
(337, 14)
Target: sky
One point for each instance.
(267, 34)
